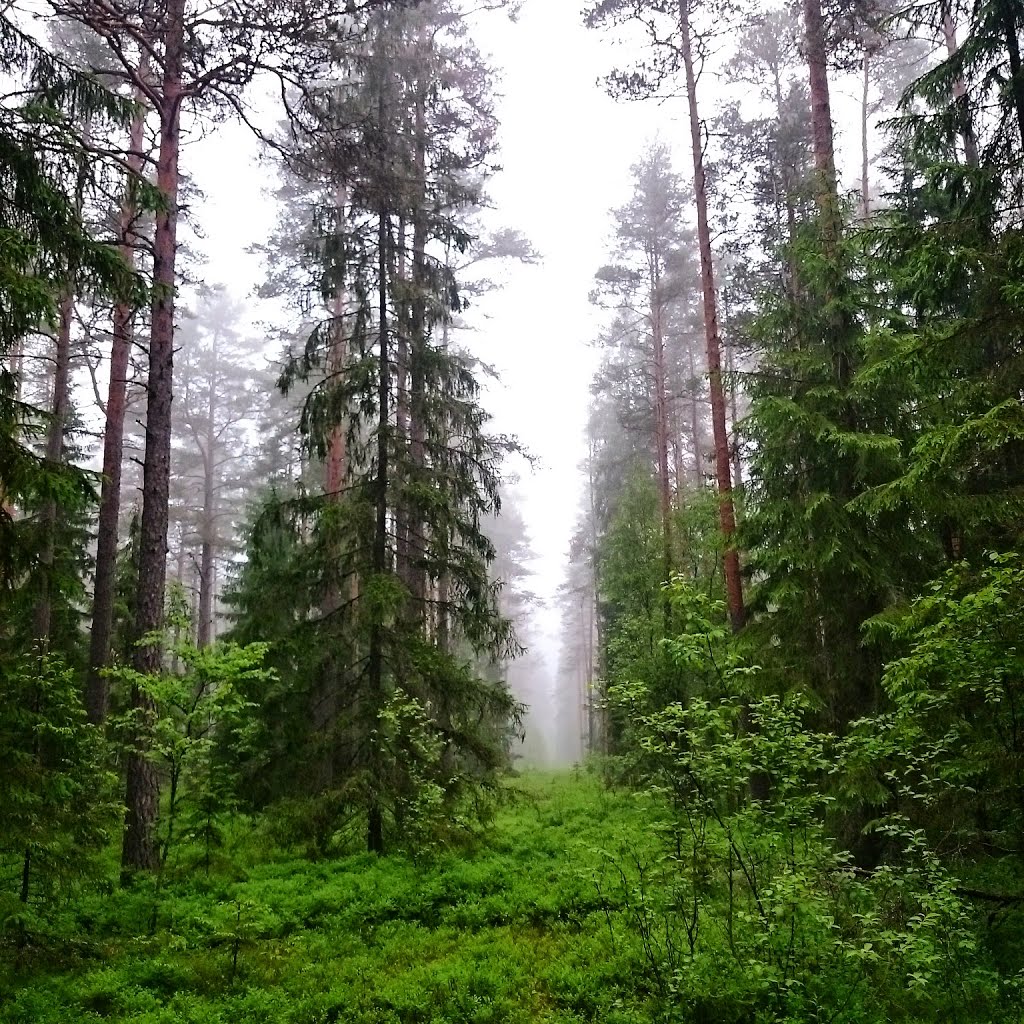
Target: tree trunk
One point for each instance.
(723, 473)
(443, 634)
(698, 455)
(336, 469)
(122, 333)
(139, 848)
(826, 187)
(825, 193)
(730, 367)
(598, 730)
(324, 709)
(400, 369)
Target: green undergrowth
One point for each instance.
(514, 931)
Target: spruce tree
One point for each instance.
(394, 721)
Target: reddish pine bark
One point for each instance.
(723, 471)
(821, 124)
(139, 848)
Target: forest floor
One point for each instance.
(515, 930)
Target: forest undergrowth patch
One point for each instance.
(515, 931)
(572, 909)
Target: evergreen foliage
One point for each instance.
(56, 794)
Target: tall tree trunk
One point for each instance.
(443, 637)
(122, 333)
(826, 195)
(822, 141)
(179, 579)
(723, 473)
(139, 848)
(60, 410)
(325, 697)
(695, 434)
(597, 728)
(400, 369)
(336, 468)
(730, 369)
(784, 178)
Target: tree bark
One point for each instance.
(325, 698)
(336, 468)
(826, 187)
(734, 415)
(698, 455)
(723, 471)
(122, 333)
(821, 125)
(139, 847)
(400, 369)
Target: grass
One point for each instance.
(514, 932)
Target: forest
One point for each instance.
(299, 724)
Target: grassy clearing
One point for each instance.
(515, 931)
